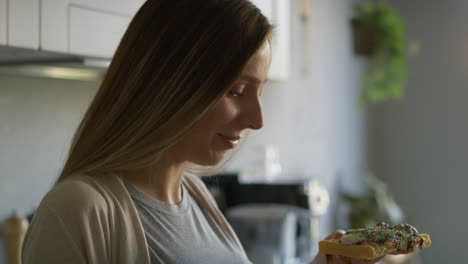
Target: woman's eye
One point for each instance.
(235, 94)
(238, 91)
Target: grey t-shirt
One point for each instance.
(183, 233)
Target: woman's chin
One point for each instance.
(211, 160)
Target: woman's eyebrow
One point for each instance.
(251, 79)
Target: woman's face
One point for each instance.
(238, 110)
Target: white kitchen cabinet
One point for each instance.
(85, 27)
(278, 12)
(23, 23)
(3, 22)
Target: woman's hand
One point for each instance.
(336, 259)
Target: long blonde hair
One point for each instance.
(175, 60)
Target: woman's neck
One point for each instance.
(162, 182)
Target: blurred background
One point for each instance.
(351, 136)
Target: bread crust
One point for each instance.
(336, 247)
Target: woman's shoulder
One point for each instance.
(76, 194)
(193, 179)
(199, 190)
(78, 215)
(195, 184)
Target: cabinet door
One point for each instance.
(23, 23)
(3, 22)
(85, 27)
(54, 25)
(94, 33)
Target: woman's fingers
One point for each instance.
(403, 252)
(335, 259)
(336, 235)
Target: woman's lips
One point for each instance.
(230, 141)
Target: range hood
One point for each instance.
(28, 62)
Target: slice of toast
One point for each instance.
(365, 249)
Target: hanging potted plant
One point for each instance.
(378, 32)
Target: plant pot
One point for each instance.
(364, 38)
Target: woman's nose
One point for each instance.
(253, 116)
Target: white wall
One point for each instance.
(315, 120)
(419, 145)
(37, 120)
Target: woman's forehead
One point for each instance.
(258, 65)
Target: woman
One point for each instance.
(182, 89)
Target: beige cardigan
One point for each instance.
(93, 220)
